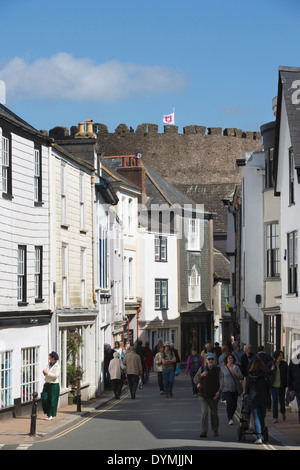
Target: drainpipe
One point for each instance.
(138, 311)
(93, 233)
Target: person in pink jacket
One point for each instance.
(194, 362)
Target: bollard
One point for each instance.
(33, 414)
(78, 395)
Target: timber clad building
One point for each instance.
(110, 247)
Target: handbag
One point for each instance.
(177, 369)
(239, 386)
(199, 384)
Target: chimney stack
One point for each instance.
(2, 92)
(274, 105)
(88, 133)
(135, 174)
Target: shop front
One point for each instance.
(197, 328)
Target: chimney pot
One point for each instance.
(81, 128)
(2, 92)
(138, 159)
(89, 126)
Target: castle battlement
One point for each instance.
(199, 155)
(145, 129)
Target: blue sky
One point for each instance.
(117, 61)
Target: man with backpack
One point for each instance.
(208, 377)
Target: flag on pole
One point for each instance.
(169, 118)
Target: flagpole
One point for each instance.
(174, 114)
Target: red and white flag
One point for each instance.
(169, 118)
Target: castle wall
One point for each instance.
(199, 155)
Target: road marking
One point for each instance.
(84, 421)
(23, 446)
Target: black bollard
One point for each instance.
(33, 414)
(78, 395)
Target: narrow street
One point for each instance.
(149, 423)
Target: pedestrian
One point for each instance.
(141, 351)
(261, 353)
(294, 380)
(115, 370)
(168, 361)
(119, 348)
(229, 376)
(218, 349)
(175, 351)
(108, 355)
(246, 358)
(238, 354)
(50, 394)
(278, 376)
(149, 362)
(208, 377)
(222, 357)
(134, 370)
(127, 348)
(194, 362)
(209, 349)
(229, 345)
(257, 388)
(157, 346)
(159, 367)
(266, 358)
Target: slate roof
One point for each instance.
(75, 158)
(12, 118)
(287, 91)
(159, 190)
(211, 196)
(221, 266)
(110, 173)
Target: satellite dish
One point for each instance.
(2, 92)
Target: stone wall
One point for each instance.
(199, 155)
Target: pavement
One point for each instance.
(16, 431)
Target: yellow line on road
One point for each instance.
(84, 421)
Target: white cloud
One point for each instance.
(65, 77)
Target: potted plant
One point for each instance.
(74, 371)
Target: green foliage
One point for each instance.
(74, 343)
(73, 373)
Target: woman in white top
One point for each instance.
(50, 394)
